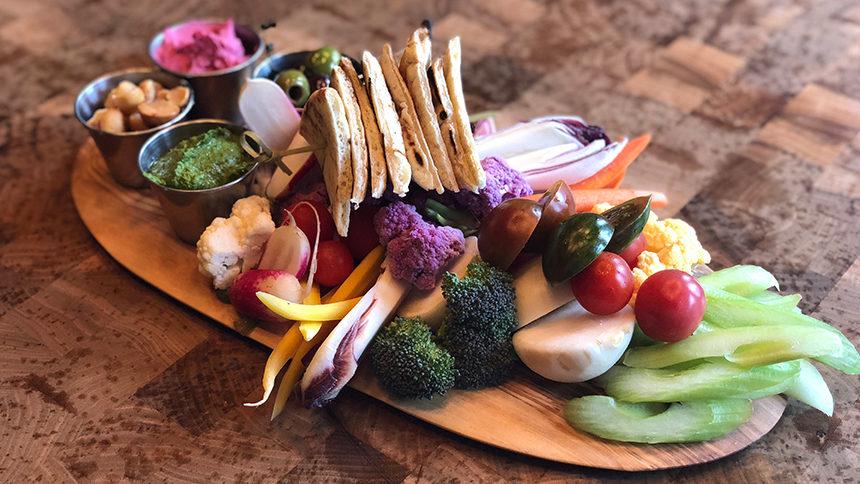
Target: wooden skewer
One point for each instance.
(260, 151)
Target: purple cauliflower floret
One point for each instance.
(419, 254)
(394, 219)
(503, 182)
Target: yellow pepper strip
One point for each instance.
(294, 371)
(310, 328)
(288, 382)
(307, 312)
(361, 279)
(285, 350)
(357, 283)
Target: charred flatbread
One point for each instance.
(357, 141)
(324, 125)
(375, 151)
(399, 171)
(468, 164)
(413, 67)
(444, 117)
(417, 151)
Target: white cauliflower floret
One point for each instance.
(228, 244)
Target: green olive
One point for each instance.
(322, 61)
(296, 85)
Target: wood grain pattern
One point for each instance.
(523, 415)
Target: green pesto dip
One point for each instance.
(207, 160)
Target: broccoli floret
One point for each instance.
(407, 361)
(479, 322)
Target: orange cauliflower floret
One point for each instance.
(671, 244)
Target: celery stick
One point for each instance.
(706, 381)
(786, 303)
(726, 310)
(741, 280)
(756, 344)
(640, 339)
(811, 389)
(681, 422)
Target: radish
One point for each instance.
(243, 293)
(287, 249)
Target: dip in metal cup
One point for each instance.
(120, 150)
(191, 211)
(218, 91)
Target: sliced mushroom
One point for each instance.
(157, 112)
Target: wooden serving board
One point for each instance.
(524, 415)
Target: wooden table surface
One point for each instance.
(754, 109)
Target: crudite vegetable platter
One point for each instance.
(497, 283)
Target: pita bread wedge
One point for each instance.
(413, 68)
(399, 170)
(357, 141)
(444, 110)
(375, 150)
(324, 124)
(417, 151)
(467, 163)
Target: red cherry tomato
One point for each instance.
(307, 222)
(670, 305)
(605, 286)
(334, 263)
(362, 238)
(631, 253)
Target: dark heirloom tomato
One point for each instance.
(506, 229)
(628, 218)
(574, 244)
(557, 204)
(670, 305)
(605, 286)
(361, 237)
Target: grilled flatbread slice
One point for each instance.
(444, 117)
(324, 124)
(399, 171)
(413, 68)
(417, 151)
(357, 141)
(375, 151)
(468, 166)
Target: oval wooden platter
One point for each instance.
(523, 415)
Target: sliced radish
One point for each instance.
(267, 111)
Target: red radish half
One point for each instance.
(243, 293)
(287, 250)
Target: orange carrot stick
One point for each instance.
(617, 182)
(587, 199)
(616, 167)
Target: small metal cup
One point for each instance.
(120, 150)
(218, 91)
(273, 65)
(191, 211)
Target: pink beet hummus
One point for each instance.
(198, 46)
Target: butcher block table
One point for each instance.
(754, 112)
